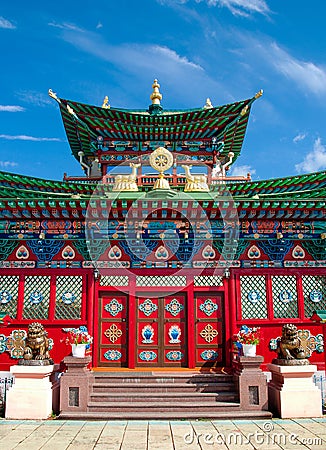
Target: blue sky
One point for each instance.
(226, 50)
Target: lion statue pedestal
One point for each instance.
(31, 394)
(291, 391)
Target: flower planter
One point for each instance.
(78, 350)
(249, 349)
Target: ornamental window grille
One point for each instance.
(36, 297)
(9, 295)
(209, 280)
(69, 291)
(285, 298)
(109, 280)
(253, 297)
(314, 293)
(157, 280)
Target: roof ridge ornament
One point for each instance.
(156, 96)
(106, 104)
(208, 104)
(259, 94)
(155, 108)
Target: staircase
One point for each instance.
(163, 395)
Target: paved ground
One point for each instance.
(275, 434)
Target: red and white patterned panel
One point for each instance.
(210, 345)
(113, 330)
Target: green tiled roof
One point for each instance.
(294, 189)
(298, 187)
(87, 122)
(21, 187)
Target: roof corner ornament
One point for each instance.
(208, 104)
(70, 110)
(53, 95)
(156, 97)
(106, 104)
(259, 94)
(244, 110)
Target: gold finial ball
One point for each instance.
(156, 96)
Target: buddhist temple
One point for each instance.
(157, 250)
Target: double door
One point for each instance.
(161, 331)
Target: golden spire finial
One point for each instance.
(259, 94)
(106, 104)
(208, 104)
(156, 96)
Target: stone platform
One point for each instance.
(292, 393)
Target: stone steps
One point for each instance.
(230, 413)
(161, 397)
(187, 388)
(162, 377)
(200, 406)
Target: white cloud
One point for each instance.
(141, 55)
(242, 171)
(4, 23)
(134, 57)
(242, 7)
(236, 7)
(99, 25)
(314, 160)
(306, 74)
(173, 56)
(299, 137)
(23, 137)
(34, 98)
(65, 26)
(11, 108)
(6, 164)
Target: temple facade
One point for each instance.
(156, 250)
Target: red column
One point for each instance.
(230, 292)
(191, 325)
(132, 323)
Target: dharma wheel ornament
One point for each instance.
(161, 160)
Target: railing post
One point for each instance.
(75, 386)
(252, 383)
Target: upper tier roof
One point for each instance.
(84, 124)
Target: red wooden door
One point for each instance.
(113, 330)
(161, 331)
(209, 332)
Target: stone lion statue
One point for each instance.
(37, 343)
(289, 346)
